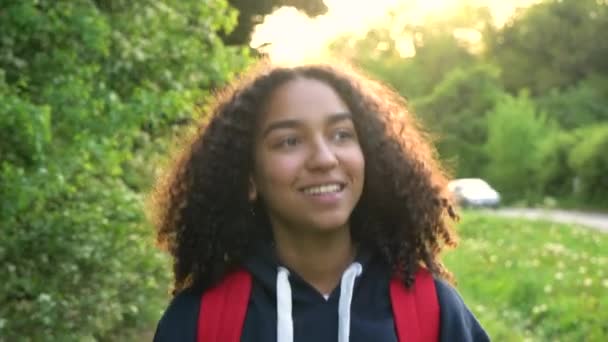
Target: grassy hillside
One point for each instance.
(529, 280)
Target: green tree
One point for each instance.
(445, 80)
(412, 58)
(550, 50)
(553, 171)
(456, 112)
(553, 44)
(589, 160)
(90, 92)
(515, 129)
(580, 105)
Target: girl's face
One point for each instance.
(309, 167)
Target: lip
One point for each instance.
(324, 200)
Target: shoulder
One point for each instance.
(179, 321)
(457, 322)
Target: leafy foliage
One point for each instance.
(90, 93)
(514, 130)
(553, 44)
(456, 110)
(580, 105)
(589, 160)
(553, 171)
(458, 87)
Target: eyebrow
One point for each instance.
(293, 123)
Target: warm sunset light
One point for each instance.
(290, 36)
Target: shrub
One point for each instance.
(515, 130)
(553, 171)
(589, 160)
(90, 93)
(577, 106)
(456, 111)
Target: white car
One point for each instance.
(474, 192)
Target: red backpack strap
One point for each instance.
(416, 310)
(223, 309)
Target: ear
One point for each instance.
(253, 190)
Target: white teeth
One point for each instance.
(323, 189)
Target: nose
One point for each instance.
(322, 156)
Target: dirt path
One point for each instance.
(592, 220)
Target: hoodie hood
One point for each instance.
(290, 289)
(264, 266)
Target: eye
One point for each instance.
(343, 134)
(287, 142)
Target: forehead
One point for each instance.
(303, 99)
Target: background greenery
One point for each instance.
(94, 92)
(535, 281)
(524, 105)
(90, 95)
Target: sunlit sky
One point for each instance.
(294, 37)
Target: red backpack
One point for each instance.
(415, 310)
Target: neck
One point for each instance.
(319, 258)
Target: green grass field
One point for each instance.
(531, 280)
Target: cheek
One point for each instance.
(281, 170)
(356, 164)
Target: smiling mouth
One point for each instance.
(324, 189)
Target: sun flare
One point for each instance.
(289, 36)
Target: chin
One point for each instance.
(330, 223)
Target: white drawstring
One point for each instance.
(284, 319)
(346, 296)
(284, 313)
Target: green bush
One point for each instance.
(78, 259)
(581, 105)
(515, 130)
(556, 177)
(456, 111)
(589, 160)
(91, 93)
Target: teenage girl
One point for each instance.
(319, 186)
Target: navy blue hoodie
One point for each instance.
(316, 318)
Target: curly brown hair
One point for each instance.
(202, 209)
